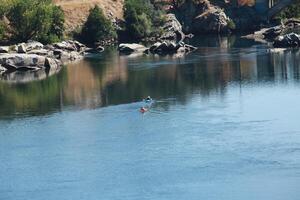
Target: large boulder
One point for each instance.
(132, 48)
(168, 47)
(213, 20)
(33, 45)
(13, 62)
(202, 17)
(64, 45)
(21, 48)
(272, 32)
(2, 69)
(288, 40)
(40, 52)
(4, 49)
(172, 29)
(164, 47)
(70, 45)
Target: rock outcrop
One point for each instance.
(288, 40)
(168, 47)
(32, 56)
(214, 20)
(4, 49)
(172, 29)
(202, 17)
(161, 48)
(132, 48)
(23, 62)
(282, 35)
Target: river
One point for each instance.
(224, 126)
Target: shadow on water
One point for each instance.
(110, 79)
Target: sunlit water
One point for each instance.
(224, 126)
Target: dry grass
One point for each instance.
(76, 11)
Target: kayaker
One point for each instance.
(148, 99)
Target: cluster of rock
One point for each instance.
(170, 42)
(172, 29)
(35, 56)
(202, 17)
(288, 40)
(282, 36)
(161, 48)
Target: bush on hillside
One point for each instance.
(142, 20)
(35, 19)
(2, 31)
(97, 27)
(292, 11)
(3, 10)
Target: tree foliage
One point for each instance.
(292, 11)
(34, 19)
(97, 27)
(141, 18)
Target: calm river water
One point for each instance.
(224, 126)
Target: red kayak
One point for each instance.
(143, 110)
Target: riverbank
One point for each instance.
(216, 130)
(285, 35)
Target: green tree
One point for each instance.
(35, 19)
(292, 11)
(2, 31)
(141, 18)
(97, 27)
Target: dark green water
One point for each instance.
(224, 125)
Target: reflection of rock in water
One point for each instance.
(27, 76)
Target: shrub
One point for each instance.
(35, 19)
(142, 20)
(97, 27)
(2, 31)
(231, 25)
(292, 11)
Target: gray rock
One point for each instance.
(272, 32)
(67, 46)
(21, 48)
(33, 45)
(4, 49)
(155, 46)
(99, 49)
(41, 52)
(168, 47)
(213, 21)
(202, 17)
(70, 45)
(52, 64)
(132, 48)
(2, 69)
(288, 40)
(14, 62)
(172, 29)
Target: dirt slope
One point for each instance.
(76, 11)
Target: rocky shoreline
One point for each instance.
(285, 35)
(34, 56)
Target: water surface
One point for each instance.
(224, 125)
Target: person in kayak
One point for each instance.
(148, 99)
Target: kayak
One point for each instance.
(143, 110)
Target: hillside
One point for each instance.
(76, 11)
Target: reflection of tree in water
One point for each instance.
(37, 97)
(111, 79)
